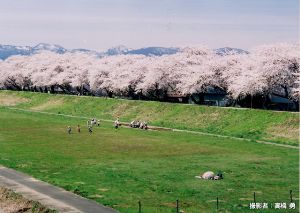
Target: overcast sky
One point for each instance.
(99, 24)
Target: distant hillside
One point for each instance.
(48, 47)
(230, 51)
(157, 51)
(118, 50)
(11, 50)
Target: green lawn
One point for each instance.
(120, 167)
(280, 127)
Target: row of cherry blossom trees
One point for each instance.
(266, 70)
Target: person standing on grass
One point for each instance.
(137, 125)
(78, 128)
(90, 129)
(117, 123)
(93, 121)
(145, 125)
(132, 123)
(69, 130)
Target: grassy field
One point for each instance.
(120, 167)
(280, 127)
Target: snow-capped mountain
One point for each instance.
(147, 51)
(10, 50)
(118, 50)
(156, 51)
(230, 51)
(48, 47)
(86, 51)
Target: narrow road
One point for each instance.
(48, 195)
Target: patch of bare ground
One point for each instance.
(246, 199)
(171, 205)
(103, 189)
(288, 130)
(212, 201)
(11, 100)
(48, 105)
(11, 202)
(118, 109)
(96, 196)
(141, 113)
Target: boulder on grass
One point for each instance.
(206, 175)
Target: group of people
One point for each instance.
(90, 124)
(93, 122)
(139, 124)
(117, 124)
(69, 129)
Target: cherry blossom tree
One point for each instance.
(278, 65)
(267, 69)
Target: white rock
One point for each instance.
(208, 175)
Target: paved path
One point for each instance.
(162, 128)
(48, 195)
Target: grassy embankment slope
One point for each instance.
(281, 127)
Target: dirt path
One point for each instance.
(48, 195)
(164, 129)
(11, 202)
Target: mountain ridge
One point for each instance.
(11, 50)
